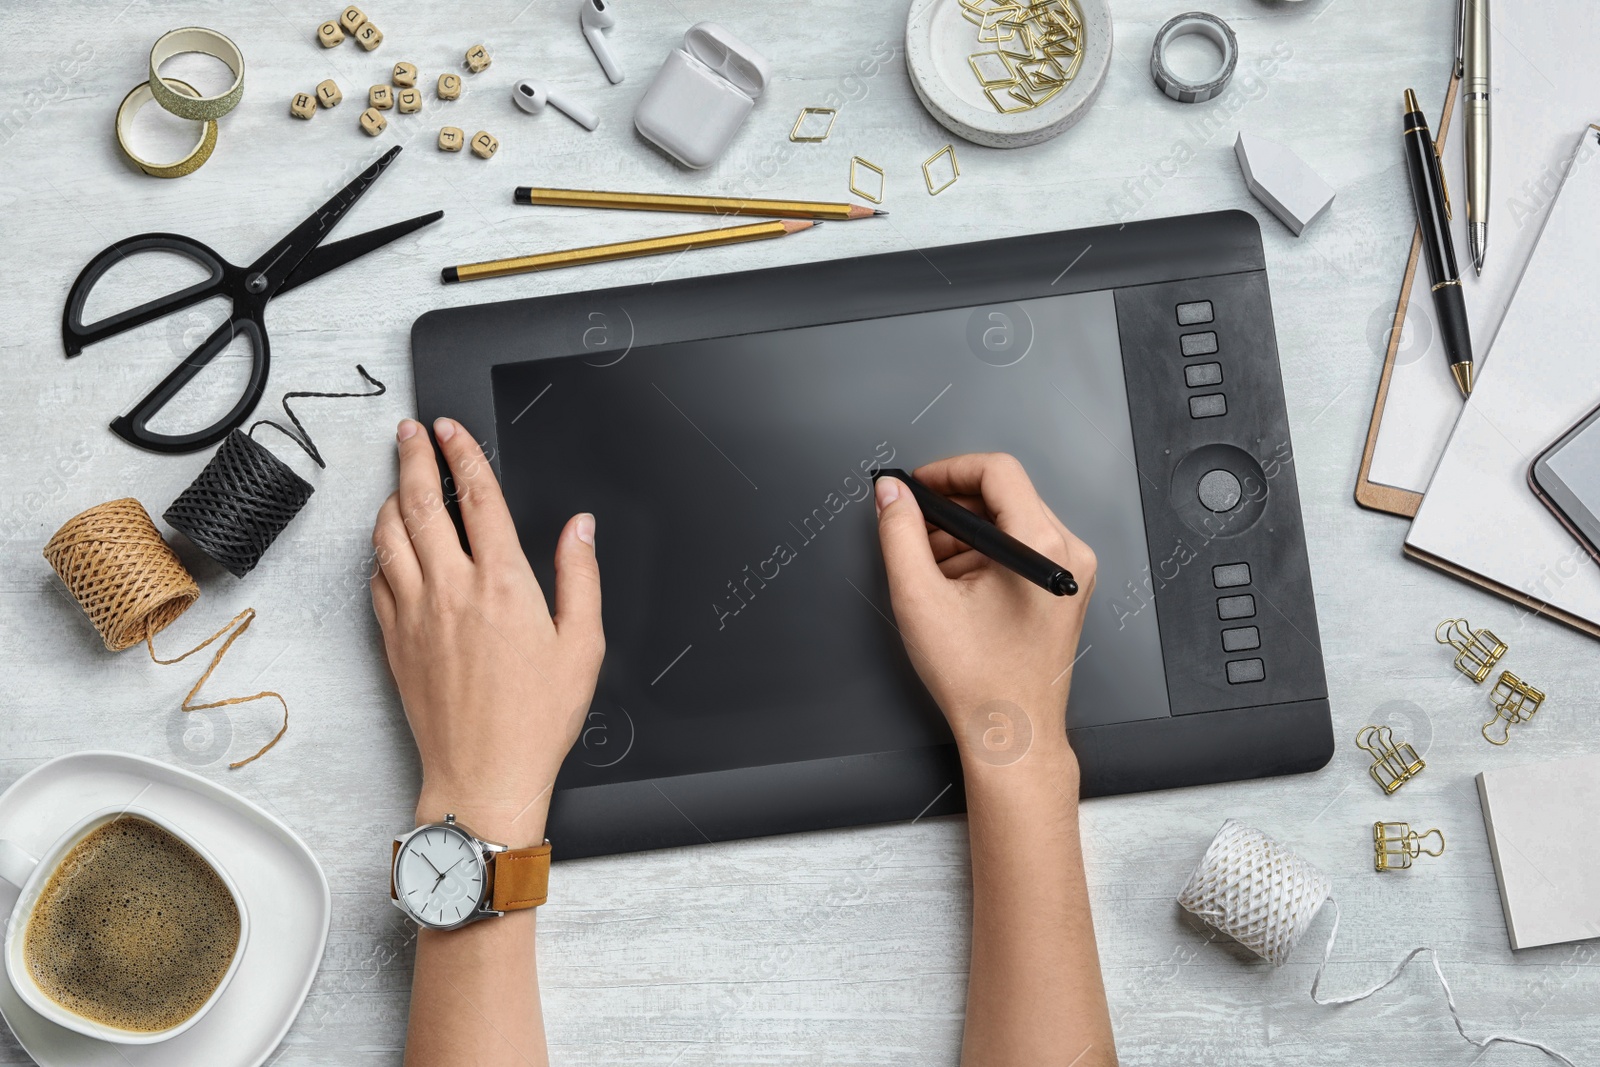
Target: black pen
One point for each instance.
(985, 537)
(1433, 217)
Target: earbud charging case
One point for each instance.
(701, 95)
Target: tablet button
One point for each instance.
(1220, 491)
(1208, 407)
(1198, 344)
(1236, 607)
(1203, 374)
(1193, 314)
(1245, 670)
(1241, 639)
(1229, 575)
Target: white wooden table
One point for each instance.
(827, 948)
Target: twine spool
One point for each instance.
(122, 574)
(1266, 896)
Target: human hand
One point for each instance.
(495, 687)
(994, 650)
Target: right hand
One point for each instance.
(988, 644)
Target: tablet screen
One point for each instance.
(746, 609)
(1576, 466)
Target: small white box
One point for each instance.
(701, 95)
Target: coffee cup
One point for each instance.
(158, 930)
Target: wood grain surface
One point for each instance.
(827, 948)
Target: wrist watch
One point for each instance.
(444, 876)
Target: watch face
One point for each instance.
(439, 876)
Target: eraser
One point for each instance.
(1282, 181)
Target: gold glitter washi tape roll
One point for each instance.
(207, 42)
(138, 98)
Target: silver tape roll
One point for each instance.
(1209, 26)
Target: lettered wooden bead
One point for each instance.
(352, 19)
(451, 139)
(328, 94)
(302, 105)
(484, 145)
(405, 75)
(373, 122)
(380, 97)
(408, 100)
(369, 36)
(478, 59)
(449, 86)
(329, 34)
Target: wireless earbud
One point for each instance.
(595, 16)
(532, 97)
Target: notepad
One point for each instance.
(1545, 85)
(1480, 519)
(1543, 822)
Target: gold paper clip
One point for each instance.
(1476, 650)
(807, 112)
(1392, 765)
(955, 170)
(1514, 701)
(1396, 844)
(857, 161)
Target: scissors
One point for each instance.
(294, 260)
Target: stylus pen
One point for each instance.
(1472, 65)
(985, 537)
(650, 246)
(1433, 217)
(697, 205)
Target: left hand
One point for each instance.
(495, 687)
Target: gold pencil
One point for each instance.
(649, 246)
(704, 205)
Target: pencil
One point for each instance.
(705, 205)
(650, 246)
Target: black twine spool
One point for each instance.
(246, 496)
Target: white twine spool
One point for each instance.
(1265, 897)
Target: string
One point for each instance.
(131, 585)
(1265, 896)
(245, 496)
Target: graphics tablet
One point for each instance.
(724, 431)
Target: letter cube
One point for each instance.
(352, 19)
(451, 139)
(380, 97)
(329, 35)
(405, 75)
(369, 36)
(484, 145)
(302, 105)
(478, 59)
(408, 100)
(328, 94)
(449, 86)
(373, 122)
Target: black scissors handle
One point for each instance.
(76, 335)
(134, 426)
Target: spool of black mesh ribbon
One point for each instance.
(246, 496)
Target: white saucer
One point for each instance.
(282, 884)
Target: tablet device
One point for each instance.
(1566, 477)
(724, 431)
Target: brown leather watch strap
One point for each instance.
(521, 878)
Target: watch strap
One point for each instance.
(521, 878)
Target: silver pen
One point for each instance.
(1472, 65)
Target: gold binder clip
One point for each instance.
(1396, 844)
(1476, 650)
(1392, 765)
(1514, 702)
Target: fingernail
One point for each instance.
(584, 529)
(888, 491)
(444, 429)
(408, 429)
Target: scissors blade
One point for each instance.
(336, 255)
(266, 275)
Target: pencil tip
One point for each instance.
(880, 211)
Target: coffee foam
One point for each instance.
(134, 929)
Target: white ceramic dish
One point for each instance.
(939, 39)
(280, 880)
